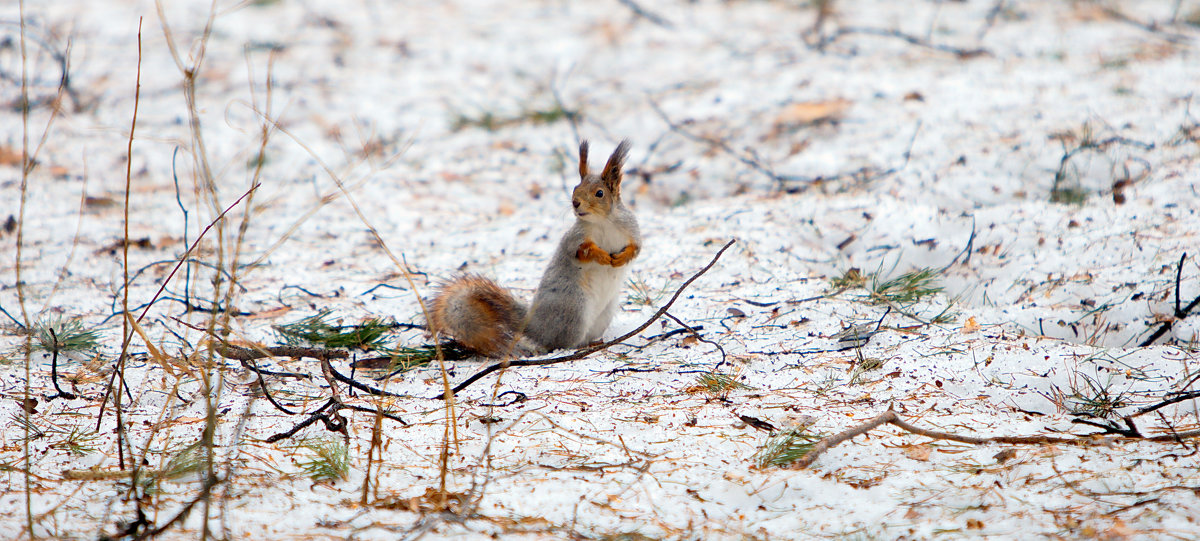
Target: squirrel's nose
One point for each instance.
(575, 203)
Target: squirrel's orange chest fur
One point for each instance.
(607, 236)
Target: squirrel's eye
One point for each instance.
(599, 193)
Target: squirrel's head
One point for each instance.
(596, 195)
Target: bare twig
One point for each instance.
(1057, 192)
(262, 384)
(206, 489)
(960, 52)
(329, 416)
(1152, 27)
(891, 417)
(721, 144)
(700, 338)
(966, 251)
(253, 367)
(330, 419)
(238, 353)
(330, 370)
(639, 11)
(1180, 397)
(785, 181)
(1111, 427)
(163, 286)
(584, 352)
(54, 369)
(1180, 314)
(127, 332)
(990, 20)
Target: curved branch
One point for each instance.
(584, 352)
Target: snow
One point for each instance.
(925, 154)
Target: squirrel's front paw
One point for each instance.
(624, 256)
(589, 251)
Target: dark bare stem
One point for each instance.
(787, 182)
(209, 483)
(1179, 278)
(724, 146)
(262, 384)
(639, 11)
(312, 418)
(54, 369)
(1181, 397)
(355, 384)
(182, 259)
(700, 338)
(1180, 314)
(962, 53)
(333, 421)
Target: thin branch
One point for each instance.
(264, 372)
(962, 53)
(584, 352)
(373, 411)
(209, 483)
(864, 173)
(20, 326)
(648, 15)
(330, 370)
(721, 144)
(1181, 397)
(238, 353)
(1178, 278)
(1057, 192)
(313, 417)
(1111, 427)
(1153, 27)
(990, 20)
(966, 251)
(830, 442)
(54, 369)
(1180, 315)
(163, 286)
(328, 414)
(262, 384)
(891, 417)
(700, 338)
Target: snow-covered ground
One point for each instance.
(1041, 158)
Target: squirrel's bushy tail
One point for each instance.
(479, 314)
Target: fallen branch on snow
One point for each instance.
(893, 418)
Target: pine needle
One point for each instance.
(907, 288)
(716, 385)
(316, 330)
(330, 460)
(71, 336)
(785, 447)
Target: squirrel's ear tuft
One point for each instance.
(612, 170)
(583, 165)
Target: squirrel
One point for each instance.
(578, 293)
